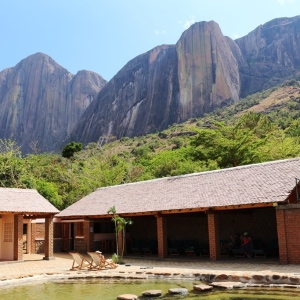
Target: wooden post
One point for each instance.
(88, 233)
(49, 239)
(18, 237)
(213, 235)
(282, 243)
(162, 236)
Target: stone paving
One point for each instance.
(251, 271)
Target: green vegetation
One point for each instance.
(120, 226)
(70, 149)
(232, 136)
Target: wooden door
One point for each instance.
(65, 237)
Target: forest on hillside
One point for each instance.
(262, 127)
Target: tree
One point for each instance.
(113, 211)
(233, 145)
(174, 162)
(120, 225)
(69, 149)
(294, 129)
(258, 123)
(50, 191)
(13, 172)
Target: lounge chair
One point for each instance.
(224, 250)
(82, 262)
(203, 249)
(175, 247)
(271, 250)
(238, 252)
(150, 247)
(137, 246)
(189, 247)
(99, 262)
(258, 249)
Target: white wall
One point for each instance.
(6, 248)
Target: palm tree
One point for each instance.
(120, 225)
(113, 211)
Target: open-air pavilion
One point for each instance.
(19, 208)
(199, 210)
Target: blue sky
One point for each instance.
(103, 35)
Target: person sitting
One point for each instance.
(233, 243)
(246, 245)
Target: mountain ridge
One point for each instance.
(41, 102)
(44, 106)
(202, 71)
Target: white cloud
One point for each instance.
(235, 36)
(159, 32)
(187, 23)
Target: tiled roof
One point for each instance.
(24, 201)
(252, 184)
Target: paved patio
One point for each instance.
(251, 270)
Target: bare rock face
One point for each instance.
(41, 102)
(141, 98)
(207, 70)
(270, 55)
(166, 85)
(43, 106)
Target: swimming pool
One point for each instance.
(108, 289)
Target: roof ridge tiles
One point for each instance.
(260, 184)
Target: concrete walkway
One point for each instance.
(251, 271)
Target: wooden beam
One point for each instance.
(178, 211)
(244, 206)
(183, 211)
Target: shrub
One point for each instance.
(70, 149)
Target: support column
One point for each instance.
(281, 234)
(88, 233)
(33, 237)
(213, 235)
(18, 237)
(49, 239)
(162, 236)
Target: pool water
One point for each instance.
(110, 289)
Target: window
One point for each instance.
(78, 229)
(8, 232)
(104, 227)
(24, 228)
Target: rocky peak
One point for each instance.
(207, 70)
(271, 54)
(168, 84)
(41, 102)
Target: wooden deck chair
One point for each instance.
(99, 262)
(79, 262)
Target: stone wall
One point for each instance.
(80, 245)
(40, 230)
(39, 246)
